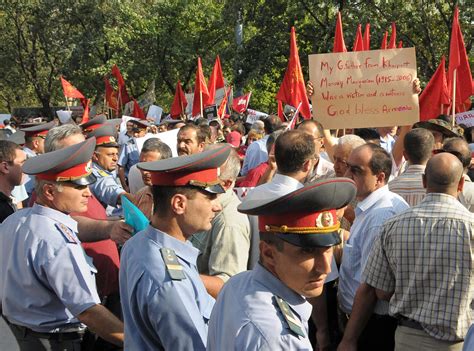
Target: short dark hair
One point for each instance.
(162, 196)
(272, 239)
(380, 160)
(156, 145)
(206, 130)
(271, 123)
(418, 144)
(201, 136)
(367, 134)
(8, 151)
(292, 149)
(459, 148)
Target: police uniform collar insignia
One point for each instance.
(174, 268)
(103, 173)
(67, 233)
(293, 323)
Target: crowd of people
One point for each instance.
(260, 237)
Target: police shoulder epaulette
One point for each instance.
(174, 268)
(67, 233)
(103, 173)
(293, 323)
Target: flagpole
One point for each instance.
(67, 103)
(200, 100)
(453, 112)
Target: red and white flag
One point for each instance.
(240, 103)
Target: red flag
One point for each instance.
(459, 61)
(435, 97)
(293, 90)
(200, 88)
(70, 91)
(367, 37)
(393, 37)
(179, 102)
(85, 115)
(339, 45)
(280, 111)
(240, 103)
(122, 89)
(223, 105)
(137, 111)
(383, 46)
(110, 95)
(216, 81)
(359, 41)
(400, 44)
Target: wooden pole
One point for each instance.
(67, 103)
(200, 100)
(453, 105)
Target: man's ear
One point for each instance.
(179, 203)
(48, 191)
(227, 183)
(381, 178)
(461, 185)
(94, 157)
(308, 166)
(267, 254)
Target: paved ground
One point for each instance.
(7, 340)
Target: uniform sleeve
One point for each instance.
(123, 157)
(249, 338)
(176, 318)
(377, 272)
(72, 279)
(107, 190)
(230, 249)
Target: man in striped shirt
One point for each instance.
(418, 146)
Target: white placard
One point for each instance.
(253, 115)
(466, 118)
(169, 137)
(155, 112)
(64, 116)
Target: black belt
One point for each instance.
(409, 323)
(50, 336)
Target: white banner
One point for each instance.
(466, 118)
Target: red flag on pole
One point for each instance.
(393, 37)
(200, 91)
(459, 63)
(293, 90)
(137, 111)
(435, 97)
(70, 91)
(383, 46)
(122, 89)
(367, 37)
(179, 102)
(359, 41)
(223, 105)
(216, 81)
(110, 95)
(85, 115)
(339, 45)
(239, 104)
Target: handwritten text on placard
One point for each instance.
(364, 89)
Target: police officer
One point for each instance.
(130, 155)
(165, 304)
(93, 124)
(266, 308)
(34, 145)
(107, 188)
(47, 284)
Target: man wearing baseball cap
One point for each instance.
(47, 284)
(165, 304)
(266, 308)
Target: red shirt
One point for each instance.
(253, 176)
(104, 253)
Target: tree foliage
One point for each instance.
(161, 39)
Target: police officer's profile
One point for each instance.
(266, 308)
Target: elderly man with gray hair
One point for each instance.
(225, 247)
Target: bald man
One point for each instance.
(422, 263)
